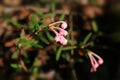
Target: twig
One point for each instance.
(21, 60)
(72, 39)
(23, 65)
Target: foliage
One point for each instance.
(44, 39)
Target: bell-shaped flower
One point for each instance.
(60, 32)
(95, 63)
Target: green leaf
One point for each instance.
(31, 26)
(14, 22)
(36, 63)
(50, 37)
(39, 12)
(69, 34)
(35, 70)
(95, 27)
(28, 43)
(52, 6)
(87, 38)
(68, 48)
(62, 17)
(59, 53)
(34, 43)
(44, 40)
(15, 54)
(35, 66)
(54, 48)
(35, 22)
(38, 46)
(25, 54)
(41, 20)
(19, 41)
(50, 15)
(67, 57)
(43, 26)
(15, 65)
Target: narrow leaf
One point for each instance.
(68, 48)
(62, 17)
(49, 35)
(87, 38)
(14, 22)
(35, 22)
(15, 55)
(59, 53)
(52, 6)
(69, 34)
(36, 66)
(54, 48)
(95, 27)
(15, 65)
(43, 26)
(35, 70)
(25, 54)
(67, 57)
(38, 46)
(39, 12)
(44, 40)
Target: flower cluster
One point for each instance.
(60, 32)
(95, 63)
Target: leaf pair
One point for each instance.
(61, 48)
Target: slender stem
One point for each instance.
(72, 39)
(23, 65)
(71, 27)
(21, 60)
(56, 23)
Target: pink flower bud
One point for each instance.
(64, 42)
(57, 39)
(96, 65)
(59, 32)
(64, 25)
(100, 61)
(63, 32)
(93, 60)
(93, 69)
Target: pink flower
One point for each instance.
(63, 40)
(59, 32)
(64, 25)
(63, 32)
(57, 39)
(95, 63)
